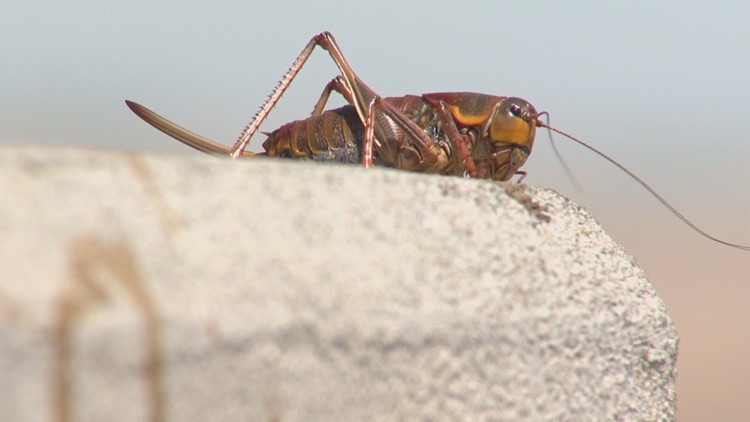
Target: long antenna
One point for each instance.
(645, 186)
(559, 156)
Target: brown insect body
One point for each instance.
(335, 135)
(453, 133)
(338, 135)
(470, 134)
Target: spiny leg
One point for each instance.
(361, 93)
(350, 79)
(276, 94)
(356, 92)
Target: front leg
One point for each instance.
(458, 141)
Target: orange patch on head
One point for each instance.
(513, 131)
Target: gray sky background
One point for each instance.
(661, 86)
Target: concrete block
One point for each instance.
(161, 287)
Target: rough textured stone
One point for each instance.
(185, 288)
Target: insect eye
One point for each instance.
(515, 110)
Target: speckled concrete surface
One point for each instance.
(186, 288)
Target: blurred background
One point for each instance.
(660, 86)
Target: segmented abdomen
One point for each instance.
(338, 135)
(334, 135)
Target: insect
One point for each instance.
(453, 133)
